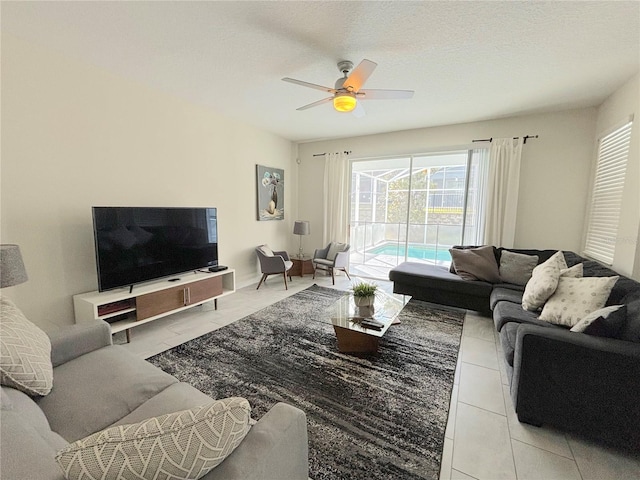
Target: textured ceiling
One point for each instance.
(466, 61)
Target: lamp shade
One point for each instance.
(12, 271)
(301, 227)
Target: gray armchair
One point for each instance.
(272, 263)
(333, 257)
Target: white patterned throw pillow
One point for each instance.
(181, 445)
(25, 352)
(577, 271)
(543, 282)
(575, 298)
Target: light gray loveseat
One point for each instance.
(97, 385)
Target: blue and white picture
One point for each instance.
(270, 193)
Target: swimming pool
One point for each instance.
(421, 252)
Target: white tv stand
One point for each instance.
(124, 310)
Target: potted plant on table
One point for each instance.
(364, 294)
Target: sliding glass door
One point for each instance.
(414, 208)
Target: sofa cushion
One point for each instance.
(504, 294)
(576, 297)
(25, 352)
(435, 277)
(544, 281)
(186, 444)
(623, 286)
(27, 444)
(517, 267)
(476, 264)
(508, 336)
(178, 396)
(505, 312)
(631, 329)
(605, 322)
(115, 382)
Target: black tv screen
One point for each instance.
(137, 244)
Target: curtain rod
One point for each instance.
(323, 154)
(526, 137)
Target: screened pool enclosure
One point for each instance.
(414, 208)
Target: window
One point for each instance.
(415, 208)
(606, 198)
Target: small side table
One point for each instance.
(301, 265)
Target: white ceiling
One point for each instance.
(466, 61)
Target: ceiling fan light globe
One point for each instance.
(344, 103)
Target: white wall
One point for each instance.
(554, 177)
(616, 109)
(74, 136)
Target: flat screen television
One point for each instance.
(138, 244)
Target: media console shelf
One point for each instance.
(153, 300)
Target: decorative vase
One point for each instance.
(364, 301)
(274, 197)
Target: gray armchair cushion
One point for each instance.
(333, 255)
(335, 248)
(277, 263)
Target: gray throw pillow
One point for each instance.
(476, 264)
(516, 268)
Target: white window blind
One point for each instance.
(606, 198)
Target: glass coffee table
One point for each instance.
(347, 320)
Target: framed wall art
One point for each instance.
(270, 193)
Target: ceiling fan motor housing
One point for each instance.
(345, 66)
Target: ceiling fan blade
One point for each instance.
(359, 111)
(384, 94)
(310, 85)
(359, 75)
(314, 104)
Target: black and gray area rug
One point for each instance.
(377, 416)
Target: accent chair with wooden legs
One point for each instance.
(333, 257)
(272, 263)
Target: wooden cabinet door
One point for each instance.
(204, 290)
(162, 301)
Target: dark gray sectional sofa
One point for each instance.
(574, 381)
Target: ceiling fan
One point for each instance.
(348, 88)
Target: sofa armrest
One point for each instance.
(275, 447)
(72, 341)
(577, 382)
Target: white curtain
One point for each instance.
(502, 191)
(336, 197)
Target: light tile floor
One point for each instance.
(483, 440)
